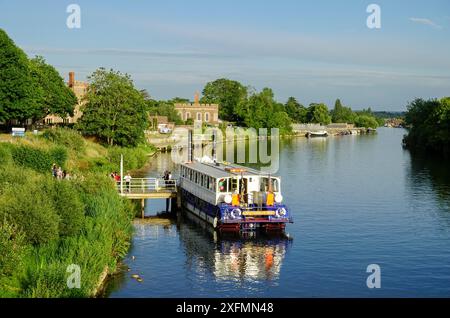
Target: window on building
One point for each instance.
(188, 115)
(207, 117)
(199, 116)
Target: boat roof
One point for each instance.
(222, 170)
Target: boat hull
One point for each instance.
(216, 216)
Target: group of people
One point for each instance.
(59, 173)
(117, 178)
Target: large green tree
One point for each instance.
(296, 111)
(429, 122)
(228, 94)
(20, 95)
(318, 114)
(342, 114)
(262, 111)
(58, 99)
(115, 112)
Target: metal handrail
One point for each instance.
(147, 185)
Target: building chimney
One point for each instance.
(71, 79)
(196, 98)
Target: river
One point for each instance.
(356, 200)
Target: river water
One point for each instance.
(356, 200)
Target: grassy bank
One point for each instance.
(46, 225)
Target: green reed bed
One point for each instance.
(46, 225)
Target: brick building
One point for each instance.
(204, 113)
(79, 88)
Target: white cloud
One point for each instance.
(425, 21)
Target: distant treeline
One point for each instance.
(429, 122)
(244, 106)
(388, 115)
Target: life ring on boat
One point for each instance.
(236, 213)
(281, 212)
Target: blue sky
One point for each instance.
(316, 51)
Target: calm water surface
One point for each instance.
(357, 200)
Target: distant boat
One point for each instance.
(320, 133)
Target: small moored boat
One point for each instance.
(321, 133)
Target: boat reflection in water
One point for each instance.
(254, 256)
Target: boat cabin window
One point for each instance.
(234, 184)
(265, 185)
(223, 185)
(212, 184)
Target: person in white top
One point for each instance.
(128, 181)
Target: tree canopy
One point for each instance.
(58, 99)
(318, 114)
(296, 111)
(262, 111)
(342, 114)
(164, 108)
(20, 95)
(228, 94)
(430, 125)
(115, 112)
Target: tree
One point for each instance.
(262, 111)
(164, 108)
(228, 94)
(430, 125)
(20, 95)
(58, 99)
(296, 111)
(366, 121)
(341, 114)
(319, 114)
(115, 112)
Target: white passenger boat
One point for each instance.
(232, 197)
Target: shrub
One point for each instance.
(24, 203)
(38, 159)
(69, 207)
(58, 155)
(66, 137)
(33, 158)
(5, 153)
(366, 121)
(12, 248)
(134, 158)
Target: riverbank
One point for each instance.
(53, 229)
